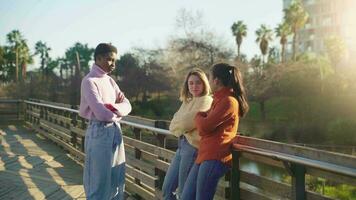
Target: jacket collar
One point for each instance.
(225, 91)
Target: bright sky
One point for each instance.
(129, 23)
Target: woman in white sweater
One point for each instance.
(195, 98)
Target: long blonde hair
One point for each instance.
(185, 95)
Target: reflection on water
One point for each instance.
(274, 173)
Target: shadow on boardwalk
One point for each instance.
(32, 167)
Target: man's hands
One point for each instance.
(120, 97)
(110, 107)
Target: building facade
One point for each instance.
(327, 18)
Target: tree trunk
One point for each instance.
(77, 69)
(238, 52)
(24, 68)
(262, 110)
(61, 72)
(295, 46)
(283, 53)
(144, 97)
(17, 66)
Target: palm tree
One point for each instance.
(19, 47)
(264, 37)
(296, 16)
(25, 58)
(283, 30)
(42, 49)
(239, 30)
(79, 55)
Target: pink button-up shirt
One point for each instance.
(98, 89)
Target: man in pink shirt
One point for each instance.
(103, 104)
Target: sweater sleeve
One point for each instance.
(186, 121)
(183, 121)
(123, 108)
(96, 105)
(208, 122)
(174, 128)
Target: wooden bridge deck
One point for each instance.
(32, 167)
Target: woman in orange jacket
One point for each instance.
(217, 128)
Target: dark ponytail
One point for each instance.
(230, 76)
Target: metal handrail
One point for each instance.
(298, 160)
(123, 121)
(52, 106)
(10, 101)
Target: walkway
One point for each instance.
(32, 167)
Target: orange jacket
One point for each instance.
(217, 127)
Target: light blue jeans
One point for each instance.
(203, 180)
(178, 170)
(103, 180)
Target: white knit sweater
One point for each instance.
(183, 119)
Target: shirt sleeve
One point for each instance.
(174, 128)
(123, 108)
(208, 122)
(96, 105)
(186, 120)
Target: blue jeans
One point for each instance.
(104, 167)
(203, 180)
(179, 168)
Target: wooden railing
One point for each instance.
(149, 149)
(10, 110)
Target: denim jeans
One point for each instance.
(203, 180)
(178, 170)
(104, 167)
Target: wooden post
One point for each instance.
(298, 182)
(18, 110)
(161, 143)
(84, 127)
(74, 123)
(137, 135)
(161, 138)
(73, 135)
(235, 176)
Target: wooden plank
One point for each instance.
(282, 190)
(136, 189)
(140, 120)
(222, 190)
(34, 114)
(33, 193)
(331, 176)
(143, 177)
(264, 183)
(78, 131)
(165, 153)
(80, 155)
(143, 166)
(139, 144)
(56, 126)
(305, 152)
(60, 118)
(56, 130)
(301, 161)
(67, 192)
(246, 194)
(162, 165)
(262, 159)
(148, 157)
